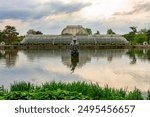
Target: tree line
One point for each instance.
(9, 35)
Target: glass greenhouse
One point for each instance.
(67, 39)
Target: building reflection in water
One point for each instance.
(9, 56)
(74, 62)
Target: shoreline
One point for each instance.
(50, 46)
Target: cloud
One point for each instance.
(11, 22)
(58, 7)
(14, 14)
(51, 16)
(138, 8)
(37, 10)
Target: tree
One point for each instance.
(2, 36)
(131, 35)
(136, 38)
(39, 33)
(10, 34)
(148, 36)
(140, 38)
(110, 31)
(33, 32)
(134, 29)
(89, 31)
(97, 33)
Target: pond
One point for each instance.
(117, 68)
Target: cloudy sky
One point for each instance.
(51, 16)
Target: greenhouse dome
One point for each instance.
(74, 30)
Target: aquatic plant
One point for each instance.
(67, 91)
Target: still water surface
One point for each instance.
(118, 68)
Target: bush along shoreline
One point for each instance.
(67, 91)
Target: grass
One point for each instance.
(67, 91)
(148, 96)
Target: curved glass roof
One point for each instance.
(58, 39)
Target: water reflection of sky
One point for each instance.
(117, 68)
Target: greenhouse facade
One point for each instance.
(71, 32)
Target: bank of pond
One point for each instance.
(68, 91)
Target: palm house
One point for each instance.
(69, 33)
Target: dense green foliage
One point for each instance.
(148, 36)
(33, 32)
(110, 31)
(10, 36)
(138, 37)
(89, 31)
(67, 91)
(148, 96)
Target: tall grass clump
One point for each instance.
(21, 86)
(2, 92)
(148, 95)
(115, 94)
(2, 88)
(134, 95)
